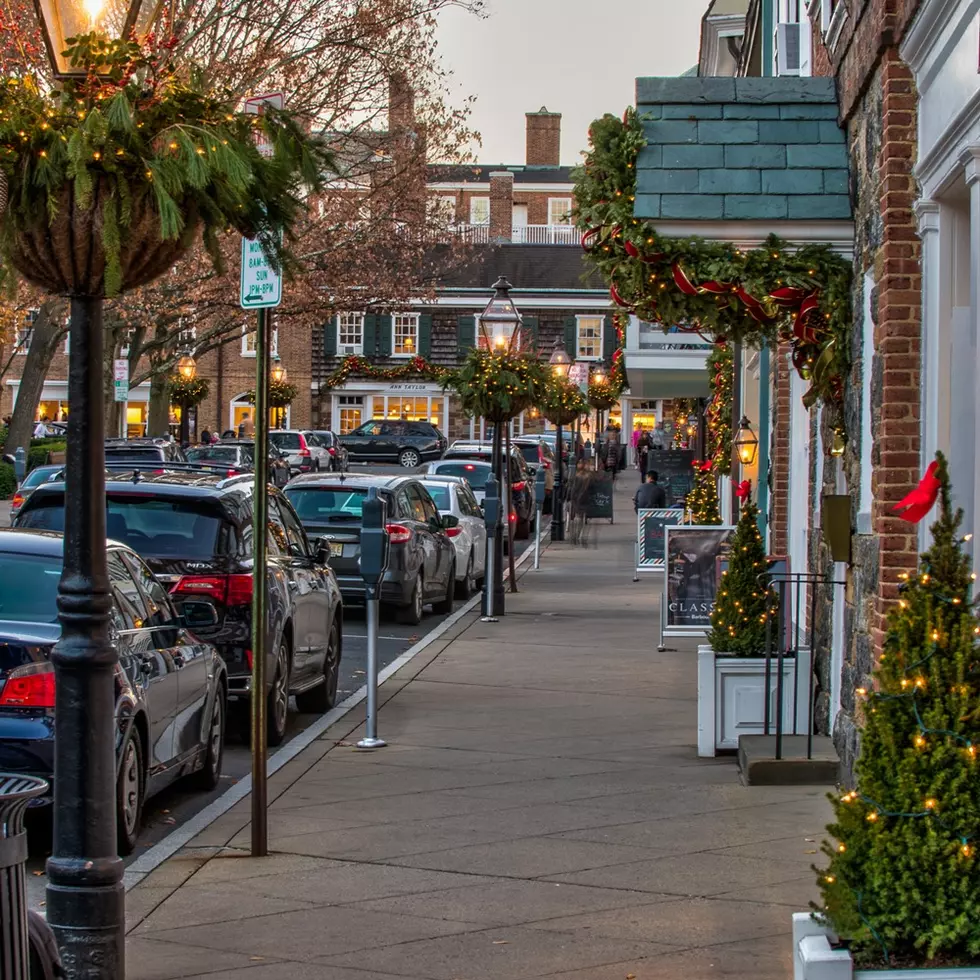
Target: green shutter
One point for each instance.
(425, 334)
(531, 328)
(608, 339)
(330, 337)
(571, 337)
(370, 335)
(467, 333)
(384, 336)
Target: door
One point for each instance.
(519, 222)
(152, 671)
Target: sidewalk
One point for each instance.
(540, 812)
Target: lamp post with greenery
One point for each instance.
(111, 174)
(186, 373)
(561, 403)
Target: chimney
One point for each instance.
(401, 104)
(501, 206)
(543, 138)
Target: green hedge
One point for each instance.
(7, 482)
(37, 455)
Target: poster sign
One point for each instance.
(578, 374)
(120, 379)
(692, 554)
(675, 472)
(650, 525)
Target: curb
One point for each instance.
(178, 838)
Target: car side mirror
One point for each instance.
(321, 551)
(449, 520)
(198, 614)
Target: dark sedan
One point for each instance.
(239, 457)
(170, 685)
(422, 557)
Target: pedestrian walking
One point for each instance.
(650, 495)
(205, 438)
(246, 428)
(578, 498)
(643, 448)
(610, 456)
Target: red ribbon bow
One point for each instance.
(743, 489)
(915, 505)
(706, 466)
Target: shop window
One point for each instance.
(350, 410)
(350, 333)
(25, 332)
(248, 342)
(589, 344)
(405, 334)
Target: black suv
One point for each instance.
(394, 440)
(142, 451)
(194, 530)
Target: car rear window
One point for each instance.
(135, 453)
(219, 454)
(38, 476)
(320, 505)
(439, 493)
(473, 473)
(29, 587)
(154, 527)
(530, 453)
(285, 440)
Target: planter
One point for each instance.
(814, 958)
(731, 698)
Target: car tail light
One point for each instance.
(16, 501)
(398, 533)
(513, 517)
(332, 451)
(248, 657)
(304, 450)
(518, 487)
(31, 686)
(233, 590)
(453, 532)
(232, 473)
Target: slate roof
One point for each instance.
(741, 149)
(528, 267)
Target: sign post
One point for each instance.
(120, 389)
(373, 563)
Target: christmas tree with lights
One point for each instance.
(702, 501)
(738, 622)
(903, 880)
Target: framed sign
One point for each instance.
(650, 526)
(675, 472)
(599, 502)
(692, 573)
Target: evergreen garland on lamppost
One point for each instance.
(902, 883)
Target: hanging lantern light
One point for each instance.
(500, 323)
(187, 366)
(746, 442)
(560, 362)
(278, 372)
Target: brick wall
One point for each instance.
(543, 138)
(779, 496)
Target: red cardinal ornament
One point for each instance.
(919, 502)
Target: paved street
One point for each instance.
(540, 811)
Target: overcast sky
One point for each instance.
(577, 57)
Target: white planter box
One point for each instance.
(731, 698)
(815, 959)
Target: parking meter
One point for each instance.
(373, 563)
(539, 483)
(491, 504)
(491, 517)
(20, 465)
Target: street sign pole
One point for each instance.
(374, 563)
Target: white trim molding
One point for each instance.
(839, 235)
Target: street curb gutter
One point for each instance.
(180, 837)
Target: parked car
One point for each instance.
(304, 452)
(474, 471)
(523, 512)
(422, 557)
(169, 684)
(194, 530)
(339, 459)
(142, 451)
(37, 476)
(537, 454)
(239, 457)
(453, 496)
(394, 441)
(569, 441)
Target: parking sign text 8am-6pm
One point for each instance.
(261, 284)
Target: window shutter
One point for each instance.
(608, 339)
(330, 337)
(370, 335)
(531, 328)
(425, 334)
(384, 336)
(467, 333)
(571, 337)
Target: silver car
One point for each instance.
(303, 449)
(452, 495)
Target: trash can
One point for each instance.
(16, 792)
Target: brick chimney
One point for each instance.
(401, 104)
(543, 138)
(501, 206)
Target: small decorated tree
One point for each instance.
(902, 884)
(738, 622)
(702, 501)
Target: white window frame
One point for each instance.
(579, 356)
(248, 347)
(357, 347)
(25, 334)
(405, 318)
(566, 203)
(473, 210)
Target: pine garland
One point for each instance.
(416, 367)
(188, 392)
(497, 385)
(902, 883)
(281, 394)
(560, 401)
(775, 292)
(721, 380)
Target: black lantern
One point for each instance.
(560, 362)
(500, 323)
(278, 372)
(746, 442)
(187, 366)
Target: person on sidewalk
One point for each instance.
(643, 447)
(610, 456)
(650, 495)
(578, 498)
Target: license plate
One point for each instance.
(336, 549)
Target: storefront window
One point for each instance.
(410, 407)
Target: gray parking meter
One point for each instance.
(20, 465)
(539, 495)
(491, 517)
(373, 563)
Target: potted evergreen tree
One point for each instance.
(901, 885)
(732, 666)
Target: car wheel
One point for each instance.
(412, 613)
(466, 587)
(278, 699)
(445, 605)
(409, 458)
(323, 697)
(208, 777)
(129, 794)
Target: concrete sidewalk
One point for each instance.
(540, 812)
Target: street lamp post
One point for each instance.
(187, 369)
(279, 376)
(561, 364)
(500, 327)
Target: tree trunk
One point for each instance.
(158, 411)
(48, 333)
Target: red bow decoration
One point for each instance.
(755, 308)
(716, 288)
(788, 295)
(616, 298)
(807, 324)
(591, 238)
(652, 257)
(743, 489)
(706, 466)
(915, 505)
